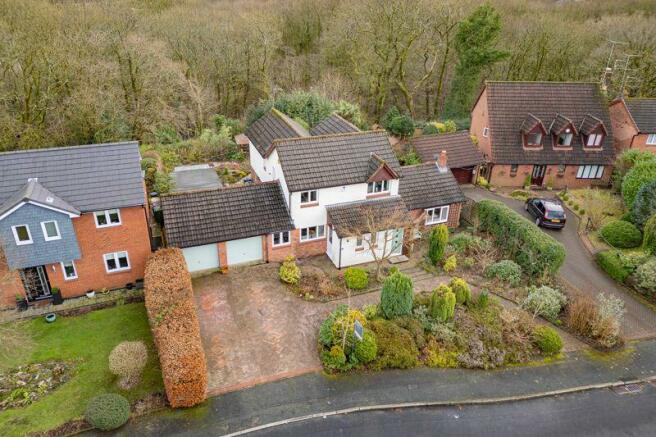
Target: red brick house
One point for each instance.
(554, 133)
(634, 124)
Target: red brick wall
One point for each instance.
(623, 127)
(10, 284)
(501, 177)
(640, 142)
(419, 216)
(278, 254)
(480, 120)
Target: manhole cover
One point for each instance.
(628, 389)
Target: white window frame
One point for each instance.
(378, 187)
(443, 212)
(281, 239)
(310, 200)
(651, 140)
(538, 136)
(107, 213)
(486, 131)
(45, 233)
(115, 256)
(319, 236)
(590, 172)
(69, 278)
(594, 140)
(18, 241)
(567, 139)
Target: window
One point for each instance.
(378, 187)
(117, 261)
(22, 234)
(281, 238)
(594, 140)
(359, 242)
(437, 215)
(312, 233)
(68, 268)
(309, 196)
(50, 230)
(513, 169)
(534, 139)
(561, 169)
(485, 132)
(109, 217)
(651, 140)
(565, 139)
(590, 172)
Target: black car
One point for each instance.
(547, 212)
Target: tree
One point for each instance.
(639, 175)
(438, 239)
(644, 205)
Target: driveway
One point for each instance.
(581, 271)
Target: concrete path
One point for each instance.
(582, 272)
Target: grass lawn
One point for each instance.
(87, 341)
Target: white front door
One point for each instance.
(245, 250)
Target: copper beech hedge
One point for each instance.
(172, 316)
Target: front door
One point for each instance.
(397, 242)
(35, 281)
(538, 174)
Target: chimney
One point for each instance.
(441, 161)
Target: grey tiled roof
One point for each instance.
(346, 217)
(560, 122)
(460, 149)
(271, 126)
(333, 125)
(510, 103)
(529, 122)
(37, 193)
(424, 186)
(332, 160)
(202, 217)
(643, 112)
(589, 123)
(90, 178)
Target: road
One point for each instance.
(596, 413)
(582, 271)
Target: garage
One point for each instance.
(244, 251)
(463, 175)
(200, 258)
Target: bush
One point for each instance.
(483, 300)
(173, 319)
(582, 315)
(414, 327)
(289, 272)
(612, 263)
(438, 240)
(163, 182)
(430, 129)
(649, 238)
(619, 233)
(611, 313)
(464, 242)
(396, 296)
(370, 311)
(544, 301)
(334, 359)
(642, 173)
(645, 277)
(644, 205)
(537, 253)
(339, 346)
(482, 182)
(461, 289)
(398, 124)
(505, 270)
(625, 162)
(547, 340)
(396, 347)
(356, 278)
(126, 361)
(107, 411)
(442, 303)
(366, 350)
(450, 264)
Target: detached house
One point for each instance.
(634, 124)
(74, 218)
(556, 134)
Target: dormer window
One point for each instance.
(565, 138)
(562, 131)
(593, 131)
(532, 131)
(534, 139)
(378, 187)
(594, 140)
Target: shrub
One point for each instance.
(450, 264)
(107, 411)
(645, 277)
(442, 303)
(370, 311)
(505, 270)
(438, 240)
(537, 253)
(396, 296)
(649, 238)
(600, 204)
(611, 313)
(461, 289)
(644, 205)
(483, 300)
(625, 162)
(326, 336)
(337, 339)
(464, 242)
(619, 233)
(173, 319)
(527, 181)
(334, 359)
(163, 182)
(356, 278)
(366, 350)
(639, 175)
(289, 272)
(544, 301)
(126, 361)
(612, 263)
(430, 129)
(547, 340)
(398, 124)
(582, 315)
(481, 181)
(414, 327)
(409, 158)
(396, 347)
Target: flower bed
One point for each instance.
(26, 384)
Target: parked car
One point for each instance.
(547, 212)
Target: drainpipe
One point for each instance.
(339, 264)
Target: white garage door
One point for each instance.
(201, 257)
(246, 250)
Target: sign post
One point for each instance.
(358, 330)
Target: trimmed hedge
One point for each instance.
(107, 412)
(611, 262)
(536, 252)
(173, 320)
(621, 234)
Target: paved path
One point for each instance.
(583, 273)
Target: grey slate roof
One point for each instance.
(332, 160)
(202, 217)
(460, 149)
(643, 112)
(333, 125)
(195, 178)
(424, 186)
(345, 217)
(510, 103)
(271, 126)
(37, 193)
(90, 178)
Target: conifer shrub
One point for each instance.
(438, 240)
(396, 296)
(107, 411)
(289, 272)
(461, 289)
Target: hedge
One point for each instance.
(173, 320)
(611, 262)
(619, 233)
(536, 252)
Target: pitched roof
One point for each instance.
(346, 217)
(202, 217)
(589, 124)
(332, 160)
(333, 125)
(425, 186)
(560, 122)
(36, 193)
(271, 126)
(643, 112)
(460, 149)
(90, 178)
(511, 103)
(530, 122)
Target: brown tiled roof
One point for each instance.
(643, 112)
(332, 160)
(346, 217)
(333, 125)
(510, 103)
(202, 217)
(529, 123)
(460, 149)
(271, 126)
(589, 124)
(425, 186)
(559, 123)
